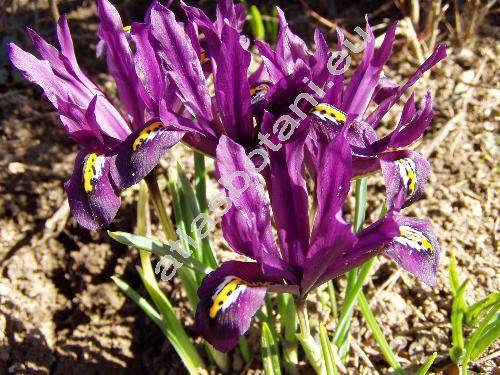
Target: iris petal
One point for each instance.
(229, 298)
(135, 157)
(406, 174)
(92, 197)
(416, 248)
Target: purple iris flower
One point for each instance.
(117, 151)
(304, 257)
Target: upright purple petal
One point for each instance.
(232, 90)
(229, 298)
(290, 47)
(320, 73)
(274, 64)
(385, 88)
(234, 15)
(39, 72)
(364, 82)
(201, 20)
(247, 224)
(330, 235)
(68, 52)
(384, 107)
(120, 62)
(289, 201)
(416, 248)
(183, 65)
(62, 87)
(92, 198)
(148, 66)
(335, 88)
(416, 126)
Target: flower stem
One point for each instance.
(159, 206)
(311, 348)
(301, 307)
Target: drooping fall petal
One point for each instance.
(92, 197)
(229, 298)
(405, 174)
(135, 157)
(416, 248)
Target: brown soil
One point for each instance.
(61, 313)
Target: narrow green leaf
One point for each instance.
(378, 335)
(209, 256)
(219, 358)
(271, 318)
(289, 344)
(200, 181)
(158, 248)
(333, 299)
(191, 200)
(188, 354)
(256, 23)
(326, 347)
(139, 300)
(245, 349)
(478, 334)
(457, 314)
(269, 349)
(454, 278)
(313, 352)
(289, 317)
(360, 207)
(349, 303)
(474, 312)
(354, 282)
(427, 365)
(175, 329)
(491, 334)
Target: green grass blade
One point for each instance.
(477, 335)
(474, 312)
(286, 309)
(491, 334)
(194, 364)
(360, 207)
(209, 256)
(158, 248)
(333, 299)
(245, 349)
(342, 334)
(453, 276)
(349, 303)
(313, 352)
(256, 23)
(175, 329)
(378, 335)
(427, 365)
(269, 352)
(457, 315)
(326, 347)
(139, 300)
